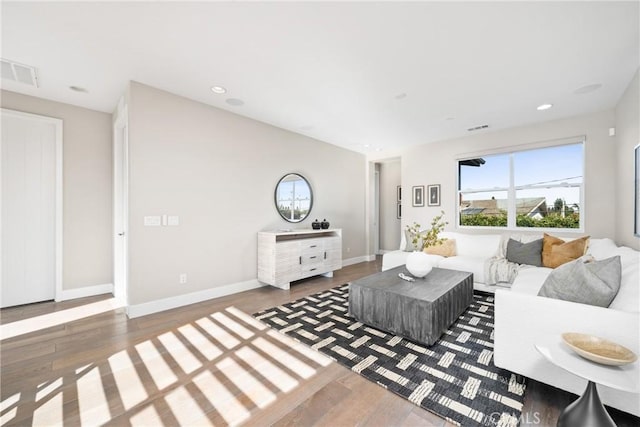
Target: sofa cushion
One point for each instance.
(601, 248)
(529, 280)
(394, 259)
(556, 251)
(584, 281)
(628, 298)
(469, 264)
(446, 249)
(475, 245)
(525, 253)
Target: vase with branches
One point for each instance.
(418, 262)
(422, 239)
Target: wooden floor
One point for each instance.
(164, 369)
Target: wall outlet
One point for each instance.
(152, 221)
(348, 250)
(183, 278)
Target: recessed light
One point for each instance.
(378, 149)
(78, 89)
(588, 88)
(448, 119)
(401, 95)
(544, 107)
(218, 89)
(366, 145)
(235, 102)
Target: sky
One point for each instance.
(551, 165)
(302, 192)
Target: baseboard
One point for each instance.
(87, 291)
(151, 307)
(356, 260)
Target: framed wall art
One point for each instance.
(433, 192)
(418, 195)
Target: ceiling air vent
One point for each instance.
(19, 73)
(475, 128)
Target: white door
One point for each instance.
(376, 213)
(120, 207)
(31, 159)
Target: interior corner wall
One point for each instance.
(627, 137)
(217, 171)
(436, 163)
(389, 221)
(87, 188)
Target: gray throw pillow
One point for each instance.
(525, 253)
(410, 246)
(594, 283)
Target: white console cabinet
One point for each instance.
(285, 256)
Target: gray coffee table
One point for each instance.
(420, 311)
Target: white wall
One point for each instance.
(627, 137)
(87, 195)
(389, 222)
(218, 172)
(435, 163)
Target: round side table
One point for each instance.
(588, 410)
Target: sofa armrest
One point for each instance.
(393, 259)
(522, 320)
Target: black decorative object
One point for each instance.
(316, 225)
(586, 411)
(324, 224)
(455, 378)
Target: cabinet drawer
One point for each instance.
(312, 257)
(311, 245)
(313, 269)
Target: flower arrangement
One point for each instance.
(429, 237)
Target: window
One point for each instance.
(523, 189)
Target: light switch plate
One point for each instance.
(173, 220)
(152, 221)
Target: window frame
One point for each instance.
(512, 189)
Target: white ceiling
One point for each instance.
(337, 71)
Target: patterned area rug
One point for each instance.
(455, 378)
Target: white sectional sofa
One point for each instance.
(472, 250)
(522, 318)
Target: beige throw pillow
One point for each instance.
(446, 249)
(556, 252)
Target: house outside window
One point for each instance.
(529, 188)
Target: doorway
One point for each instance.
(387, 205)
(120, 207)
(31, 208)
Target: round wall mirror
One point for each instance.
(293, 197)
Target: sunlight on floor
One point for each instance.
(9, 408)
(214, 370)
(20, 327)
